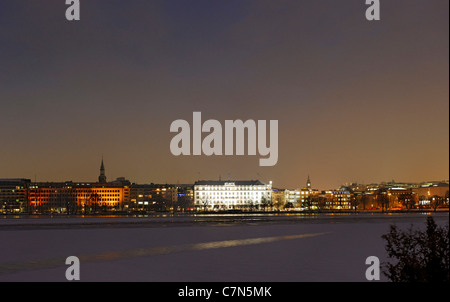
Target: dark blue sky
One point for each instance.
(355, 100)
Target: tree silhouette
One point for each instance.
(363, 200)
(383, 199)
(436, 201)
(355, 201)
(420, 256)
(265, 203)
(321, 203)
(204, 201)
(407, 201)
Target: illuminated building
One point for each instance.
(278, 199)
(440, 189)
(47, 197)
(307, 194)
(85, 197)
(399, 197)
(152, 197)
(76, 197)
(291, 198)
(96, 196)
(185, 198)
(13, 195)
(339, 199)
(299, 199)
(428, 191)
(226, 195)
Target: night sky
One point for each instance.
(355, 100)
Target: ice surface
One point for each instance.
(171, 254)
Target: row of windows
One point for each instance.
(6, 188)
(46, 200)
(239, 188)
(100, 204)
(219, 198)
(77, 191)
(241, 201)
(11, 193)
(98, 191)
(78, 194)
(229, 193)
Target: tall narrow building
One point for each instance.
(307, 194)
(102, 177)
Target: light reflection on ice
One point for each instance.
(12, 267)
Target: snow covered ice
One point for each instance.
(228, 248)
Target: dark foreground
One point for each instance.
(228, 248)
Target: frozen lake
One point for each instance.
(229, 248)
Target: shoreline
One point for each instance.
(35, 222)
(219, 213)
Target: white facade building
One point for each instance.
(225, 195)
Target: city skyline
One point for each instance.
(124, 197)
(231, 148)
(356, 101)
(104, 179)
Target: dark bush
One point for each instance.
(418, 256)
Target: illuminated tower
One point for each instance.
(308, 183)
(102, 177)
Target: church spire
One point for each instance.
(308, 183)
(102, 177)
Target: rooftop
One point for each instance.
(229, 182)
